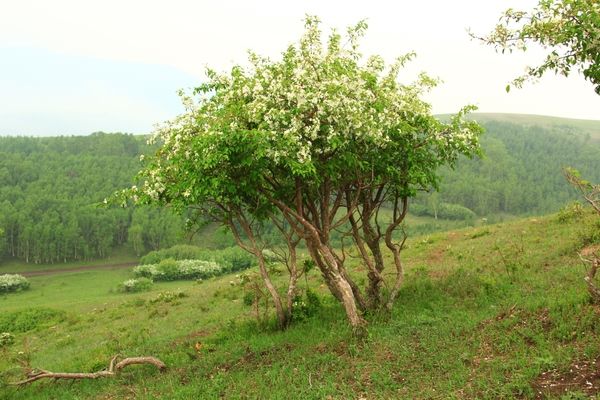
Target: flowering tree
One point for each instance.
(570, 28)
(316, 142)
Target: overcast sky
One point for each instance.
(75, 67)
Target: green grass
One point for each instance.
(118, 256)
(483, 312)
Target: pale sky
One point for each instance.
(78, 66)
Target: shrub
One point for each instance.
(305, 307)
(178, 252)
(170, 270)
(13, 283)
(168, 296)
(147, 271)
(570, 212)
(136, 285)
(6, 339)
(232, 259)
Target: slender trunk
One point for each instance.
(291, 292)
(282, 317)
(396, 248)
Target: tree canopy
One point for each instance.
(569, 29)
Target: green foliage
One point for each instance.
(13, 283)
(49, 192)
(569, 29)
(570, 212)
(232, 259)
(6, 339)
(168, 296)
(522, 171)
(136, 285)
(590, 234)
(29, 319)
(177, 252)
(170, 270)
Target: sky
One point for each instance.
(77, 67)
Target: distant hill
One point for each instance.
(520, 172)
(49, 187)
(585, 126)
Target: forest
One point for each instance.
(52, 189)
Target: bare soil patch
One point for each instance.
(581, 376)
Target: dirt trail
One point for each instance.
(74, 269)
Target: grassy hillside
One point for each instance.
(496, 311)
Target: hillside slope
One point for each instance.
(494, 312)
(585, 126)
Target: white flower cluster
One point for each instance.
(6, 339)
(136, 285)
(130, 284)
(13, 283)
(319, 101)
(186, 269)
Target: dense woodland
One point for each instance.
(520, 172)
(51, 189)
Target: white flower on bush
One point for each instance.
(13, 283)
(148, 271)
(186, 269)
(136, 285)
(6, 339)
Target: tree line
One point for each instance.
(521, 170)
(50, 191)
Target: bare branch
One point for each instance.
(110, 372)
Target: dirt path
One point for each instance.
(74, 269)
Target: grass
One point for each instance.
(484, 312)
(118, 256)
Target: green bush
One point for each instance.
(13, 283)
(232, 259)
(305, 306)
(168, 297)
(6, 339)
(171, 270)
(178, 252)
(570, 212)
(136, 285)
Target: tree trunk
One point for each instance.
(345, 290)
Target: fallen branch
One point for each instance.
(113, 369)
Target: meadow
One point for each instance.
(493, 311)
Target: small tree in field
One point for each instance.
(316, 142)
